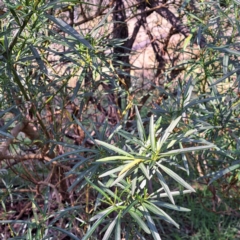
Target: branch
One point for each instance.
(167, 14)
(15, 131)
(31, 156)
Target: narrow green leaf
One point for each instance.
(113, 133)
(158, 124)
(140, 127)
(72, 153)
(130, 165)
(96, 224)
(77, 86)
(173, 141)
(12, 109)
(152, 133)
(11, 121)
(110, 229)
(99, 190)
(120, 178)
(98, 201)
(131, 138)
(134, 181)
(54, 3)
(83, 128)
(175, 177)
(15, 15)
(170, 206)
(195, 17)
(231, 51)
(87, 173)
(156, 210)
(140, 222)
(187, 41)
(109, 192)
(104, 21)
(199, 35)
(144, 170)
(175, 193)
(184, 158)
(225, 63)
(168, 131)
(113, 158)
(225, 76)
(28, 223)
(5, 134)
(215, 176)
(188, 91)
(68, 29)
(75, 168)
(198, 101)
(69, 234)
(151, 224)
(114, 170)
(118, 228)
(128, 208)
(102, 213)
(39, 60)
(164, 185)
(113, 148)
(183, 150)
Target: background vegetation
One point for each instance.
(95, 145)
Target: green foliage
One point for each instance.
(121, 177)
(201, 222)
(140, 171)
